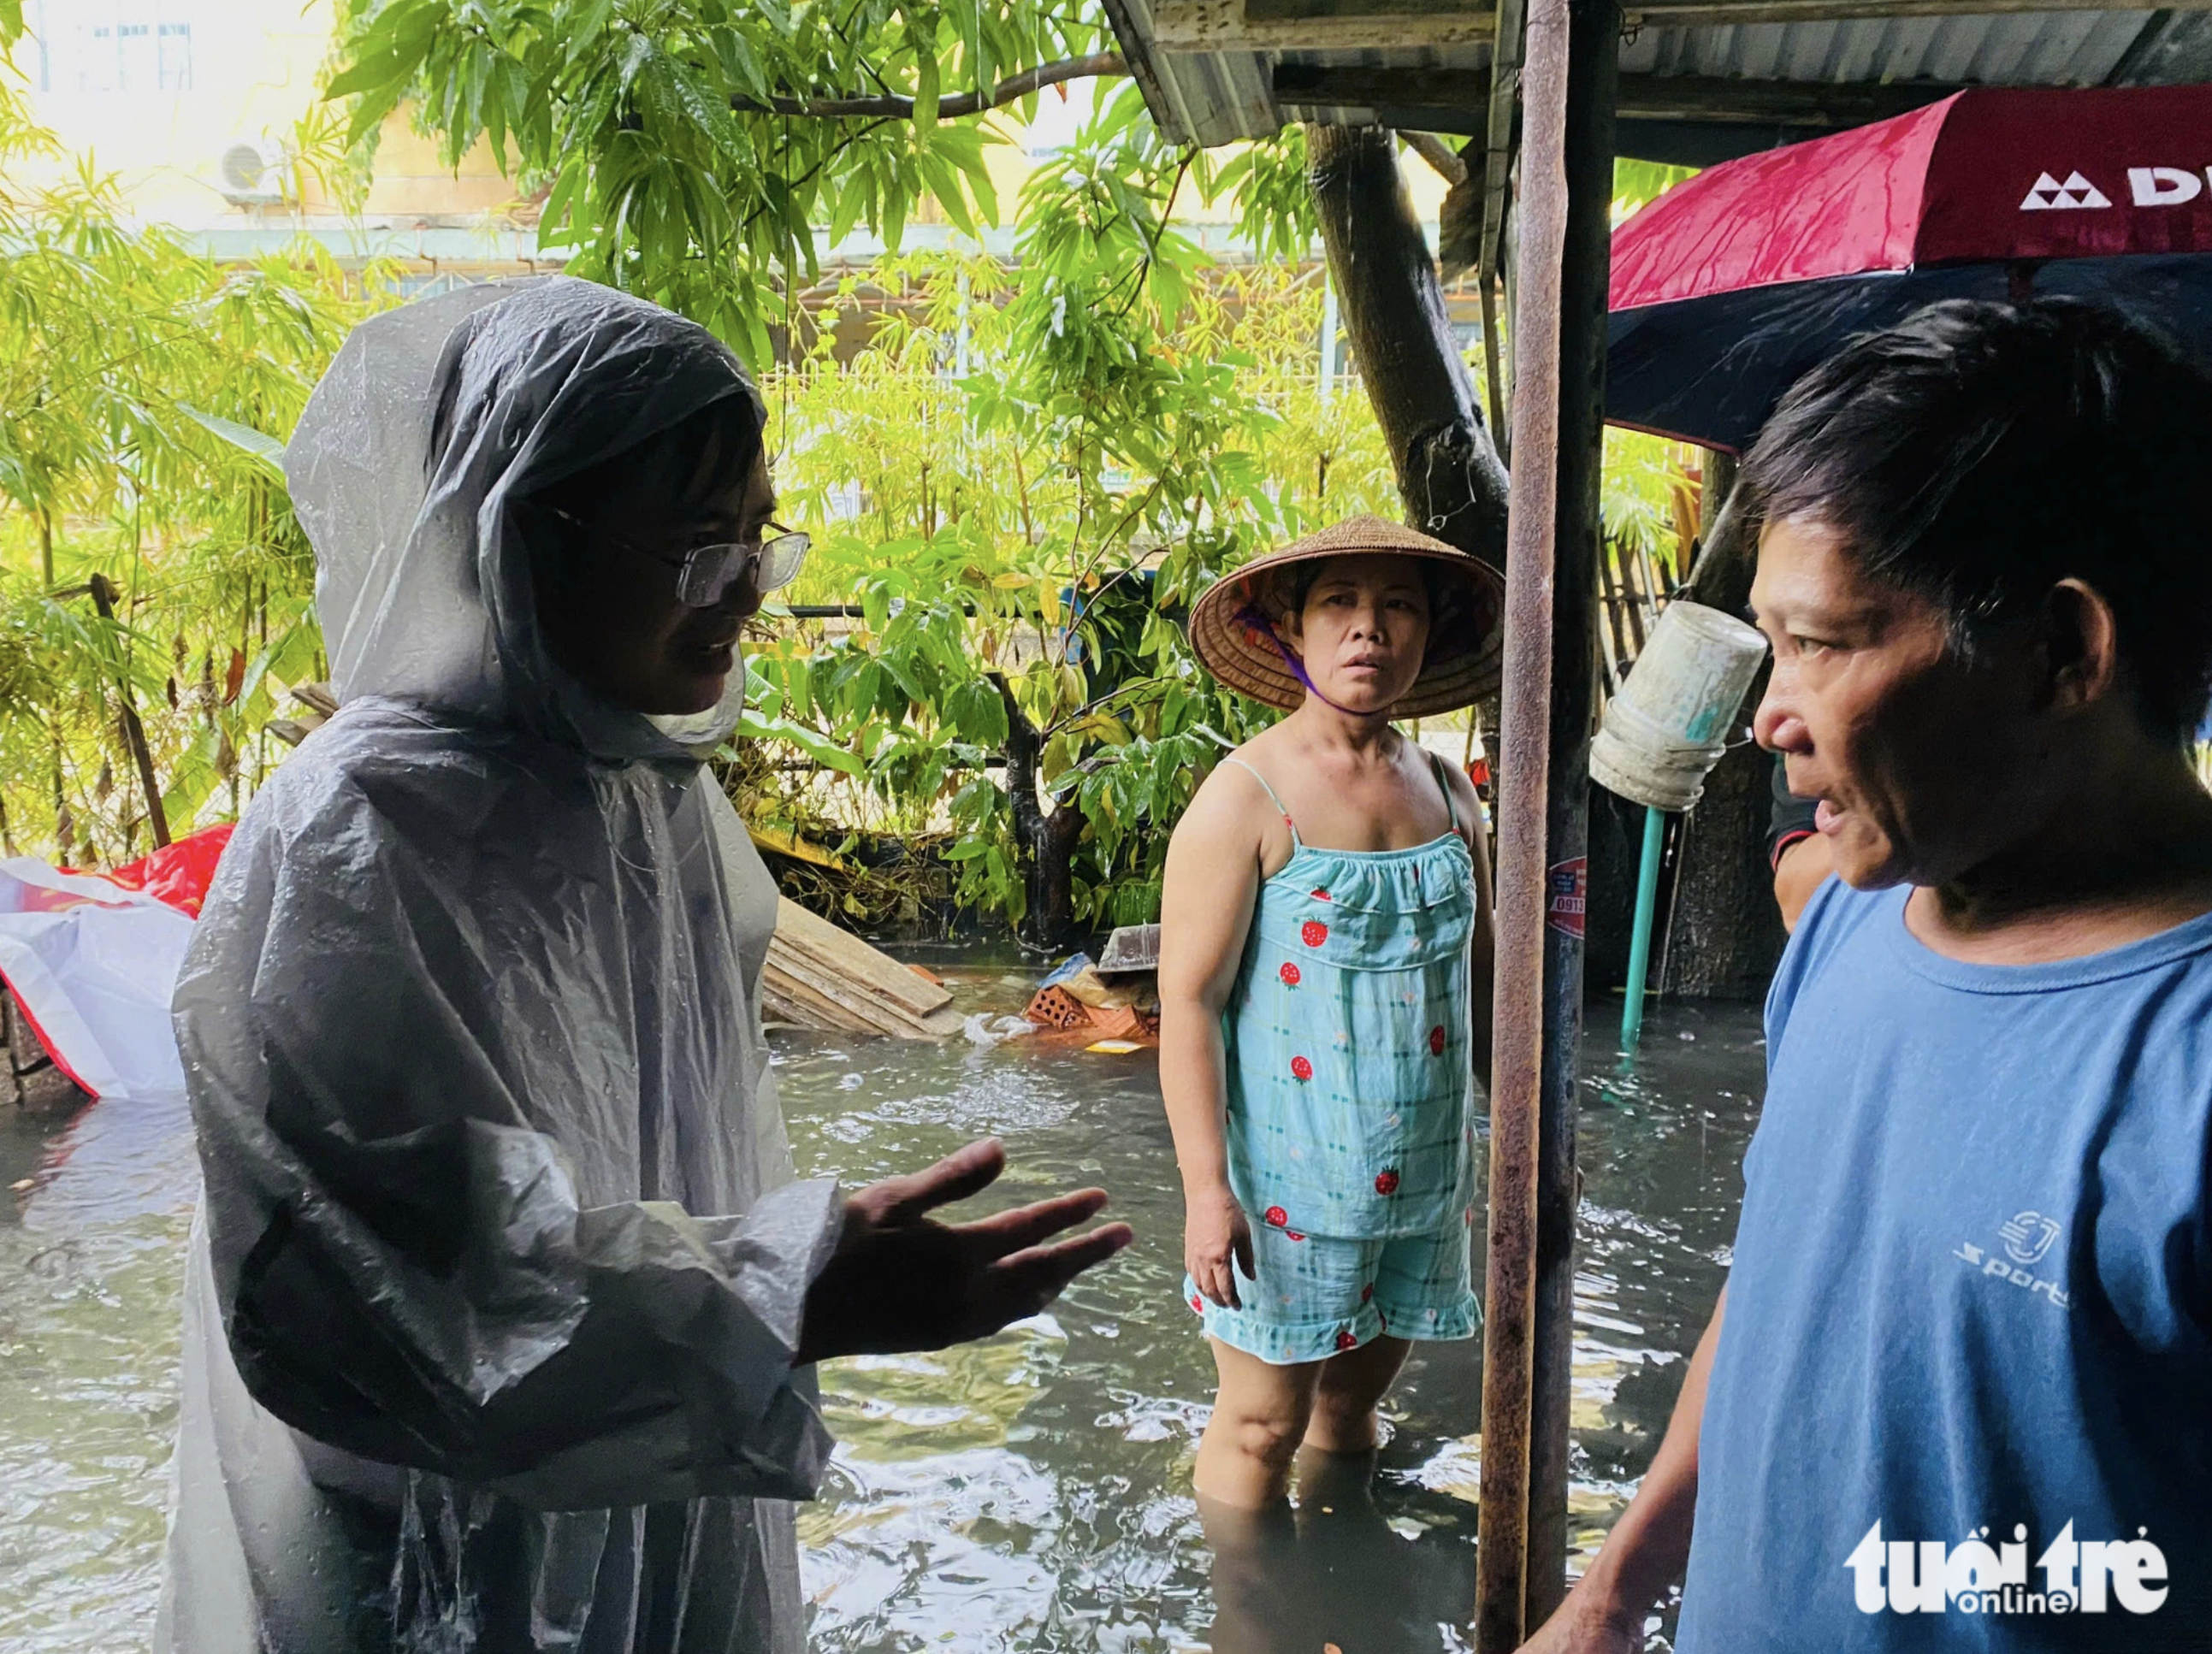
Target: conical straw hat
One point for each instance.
(1235, 627)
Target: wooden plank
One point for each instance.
(1449, 98)
(1635, 601)
(868, 1009)
(943, 1025)
(1609, 638)
(793, 999)
(1230, 26)
(1655, 593)
(841, 951)
(851, 999)
(785, 842)
(779, 1004)
(805, 1006)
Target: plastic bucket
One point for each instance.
(1668, 726)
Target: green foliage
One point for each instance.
(1021, 480)
(130, 371)
(652, 122)
(988, 526)
(1637, 183)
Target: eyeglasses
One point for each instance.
(704, 574)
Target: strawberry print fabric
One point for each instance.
(1350, 1098)
(1314, 1298)
(1351, 1087)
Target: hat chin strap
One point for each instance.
(1258, 625)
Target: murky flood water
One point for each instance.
(1032, 1492)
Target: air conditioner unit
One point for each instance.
(253, 173)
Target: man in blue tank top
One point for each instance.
(1958, 1391)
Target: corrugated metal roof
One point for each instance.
(1217, 97)
(1202, 97)
(2050, 48)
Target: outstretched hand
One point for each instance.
(902, 1280)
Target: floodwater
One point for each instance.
(1030, 1492)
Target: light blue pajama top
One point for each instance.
(1350, 1080)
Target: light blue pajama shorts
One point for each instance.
(1316, 1297)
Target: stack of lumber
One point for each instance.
(820, 977)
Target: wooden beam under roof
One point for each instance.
(1319, 25)
(1454, 100)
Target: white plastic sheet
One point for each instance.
(94, 964)
(499, 1274)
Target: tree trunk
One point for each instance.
(1449, 473)
(134, 733)
(1725, 933)
(1047, 838)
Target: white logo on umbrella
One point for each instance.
(2049, 195)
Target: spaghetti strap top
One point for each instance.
(1436, 764)
(1347, 1035)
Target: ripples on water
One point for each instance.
(1028, 1493)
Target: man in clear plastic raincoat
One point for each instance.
(501, 1300)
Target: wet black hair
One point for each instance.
(1977, 453)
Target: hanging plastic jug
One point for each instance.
(1668, 726)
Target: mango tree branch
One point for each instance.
(890, 106)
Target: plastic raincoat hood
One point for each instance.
(499, 1273)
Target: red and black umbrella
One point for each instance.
(1732, 284)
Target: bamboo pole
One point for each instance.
(1524, 769)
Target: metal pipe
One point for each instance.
(1524, 766)
(1639, 938)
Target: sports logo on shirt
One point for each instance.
(2085, 1576)
(2027, 1237)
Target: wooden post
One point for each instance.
(1566, 158)
(1497, 171)
(1508, 1341)
(134, 732)
(1593, 75)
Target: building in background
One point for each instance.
(201, 109)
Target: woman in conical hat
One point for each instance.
(1324, 993)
